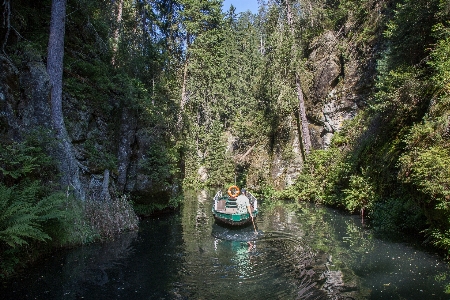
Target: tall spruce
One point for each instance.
(201, 21)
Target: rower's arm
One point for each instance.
(249, 208)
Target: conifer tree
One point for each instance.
(305, 137)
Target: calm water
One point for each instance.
(307, 253)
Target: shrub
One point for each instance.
(109, 218)
(392, 214)
(360, 194)
(428, 170)
(73, 228)
(318, 177)
(26, 202)
(20, 161)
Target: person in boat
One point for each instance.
(243, 203)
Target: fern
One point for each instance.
(15, 162)
(25, 204)
(23, 161)
(21, 220)
(50, 207)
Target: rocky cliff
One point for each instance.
(109, 144)
(341, 77)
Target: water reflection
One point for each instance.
(227, 263)
(239, 234)
(377, 268)
(67, 275)
(305, 253)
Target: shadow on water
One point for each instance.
(69, 273)
(307, 253)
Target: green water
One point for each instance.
(307, 253)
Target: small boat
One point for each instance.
(225, 209)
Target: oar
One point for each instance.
(254, 225)
(249, 209)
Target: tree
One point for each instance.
(67, 163)
(201, 20)
(301, 102)
(116, 31)
(6, 22)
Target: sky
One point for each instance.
(241, 5)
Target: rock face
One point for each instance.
(342, 75)
(108, 162)
(287, 160)
(336, 91)
(24, 97)
(9, 93)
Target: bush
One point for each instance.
(360, 194)
(26, 202)
(73, 228)
(28, 206)
(24, 162)
(394, 214)
(318, 178)
(429, 170)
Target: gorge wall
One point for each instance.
(109, 144)
(341, 79)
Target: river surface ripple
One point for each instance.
(304, 253)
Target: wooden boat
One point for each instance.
(225, 209)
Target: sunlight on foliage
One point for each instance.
(360, 194)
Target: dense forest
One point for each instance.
(109, 109)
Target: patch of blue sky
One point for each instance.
(241, 5)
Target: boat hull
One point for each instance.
(234, 220)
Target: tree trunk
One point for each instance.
(183, 97)
(116, 32)
(184, 87)
(128, 136)
(67, 163)
(306, 139)
(6, 22)
(304, 134)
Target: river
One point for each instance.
(297, 252)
